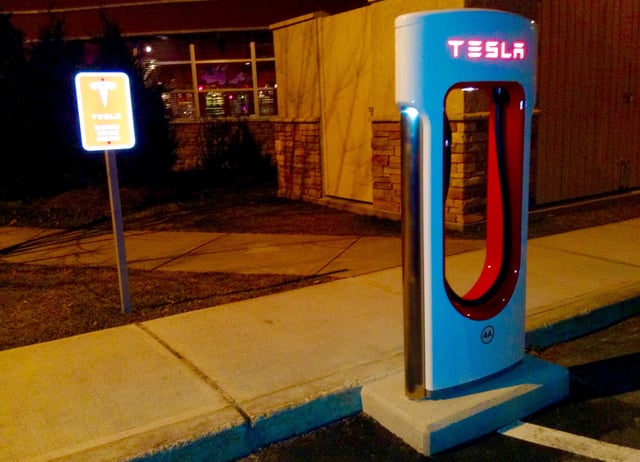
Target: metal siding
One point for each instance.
(632, 39)
(588, 134)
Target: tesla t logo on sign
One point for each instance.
(104, 107)
(477, 49)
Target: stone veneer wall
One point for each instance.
(386, 170)
(466, 200)
(298, 158)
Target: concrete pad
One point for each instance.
(619, 242)
(102, 396)
(434, 425)
(368, 254)
(284, 350)
(144, 250)
(152, 250)
(454, 246)
(95, 248)
(389, 280)
(463, 270)
(13, 235)
(264, 254)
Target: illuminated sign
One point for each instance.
(487, 49)
(104, 107)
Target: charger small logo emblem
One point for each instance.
(487, 334)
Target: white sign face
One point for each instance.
(104, 108)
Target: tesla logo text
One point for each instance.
(486, 49)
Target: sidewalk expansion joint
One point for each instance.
(193, 368)
(188, 252)
(338, 255)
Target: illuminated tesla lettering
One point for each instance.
(487, 49)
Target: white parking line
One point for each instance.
(569, 442)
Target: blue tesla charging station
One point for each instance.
(454, 339)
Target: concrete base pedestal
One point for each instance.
(434, 425)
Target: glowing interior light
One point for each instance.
(147, 49)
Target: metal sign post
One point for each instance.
(106, 124)
(118, 229)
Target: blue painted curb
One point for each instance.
(240, 441)
(579, 326)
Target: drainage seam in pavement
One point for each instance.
(204, 377)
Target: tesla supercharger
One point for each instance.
(451, 338)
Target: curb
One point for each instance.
(581, 325)
(243, 440)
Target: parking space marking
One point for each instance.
(569, 442)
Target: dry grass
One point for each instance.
(41, 303)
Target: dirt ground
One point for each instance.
(39, 303)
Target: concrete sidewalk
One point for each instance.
(218, 383)
(297, 254)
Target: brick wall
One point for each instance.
(298, 158)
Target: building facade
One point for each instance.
(314, 81)
(585, 131)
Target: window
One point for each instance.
(212, 74)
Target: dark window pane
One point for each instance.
(264, 44)
(163, 48)
(266, 74)
(171, 76)
(229, 45)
